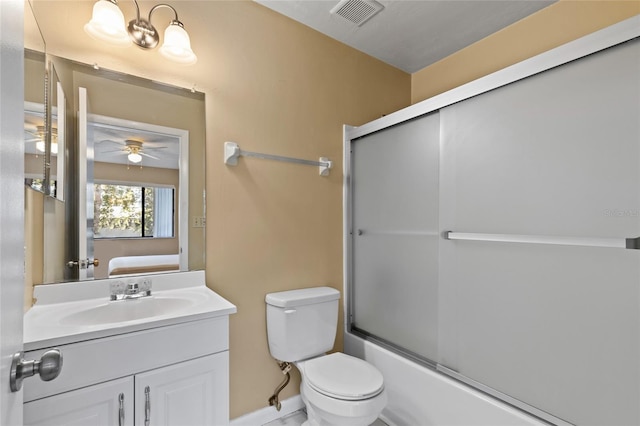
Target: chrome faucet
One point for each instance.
(132, 290)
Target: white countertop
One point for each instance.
(50, 321)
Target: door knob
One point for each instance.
(48, 367)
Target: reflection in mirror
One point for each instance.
(34, 138)
(55, 143)
(34, 96)
(137, 182)
(131, 118)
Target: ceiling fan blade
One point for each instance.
(121, 151)
(110, 141)
(147, 155)
(155, 148)
(112, 155)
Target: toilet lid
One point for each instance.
(343, 377)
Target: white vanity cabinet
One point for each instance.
(132, 366)
(187, 393)
(109, 403)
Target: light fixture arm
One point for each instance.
(154, 8)
(142, 31)
(138, 11)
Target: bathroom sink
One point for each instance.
(126, 310)
(80, 311)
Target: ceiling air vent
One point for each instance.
(357, 11)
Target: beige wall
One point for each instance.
(33, 242)
(551, 27)
(54, 237)
(106, 249)
(275, 226)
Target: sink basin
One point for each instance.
(126, 310)
(80, 311)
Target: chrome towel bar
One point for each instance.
(627, 243)
(232, 151)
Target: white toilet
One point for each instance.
(337, 389)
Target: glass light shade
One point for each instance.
(107, 24)
(54, 147)
(176, 45)
(134, 157)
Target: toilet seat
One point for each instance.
(343, 377)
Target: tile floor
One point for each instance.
(298, 417)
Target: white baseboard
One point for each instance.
(269, 414)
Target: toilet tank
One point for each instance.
(302, 323)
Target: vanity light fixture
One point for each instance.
(107, 24)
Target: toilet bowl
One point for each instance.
(337, 389)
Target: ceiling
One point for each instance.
(411, 34)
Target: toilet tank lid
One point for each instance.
(300, 297)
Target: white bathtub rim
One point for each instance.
(371, 352)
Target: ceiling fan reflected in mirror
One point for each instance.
(133, 149)
(37, 134)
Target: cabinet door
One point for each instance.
(98, 405)
(192, 393)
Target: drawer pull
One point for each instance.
(147, 406)
(121, 410)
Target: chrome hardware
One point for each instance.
(625, 243)
(147, 406)
(132, 290)
(121, 409)
(83, 263)
(48, 367)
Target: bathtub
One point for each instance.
(419, 396)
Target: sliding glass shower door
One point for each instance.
(494, 240)
(395, 236)
(554, 158)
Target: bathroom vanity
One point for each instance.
(161, 359)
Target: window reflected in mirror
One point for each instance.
(133, 211)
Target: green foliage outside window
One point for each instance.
(125, 211)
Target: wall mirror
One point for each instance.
(34, 105)
(55, 144)
(135, 167)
